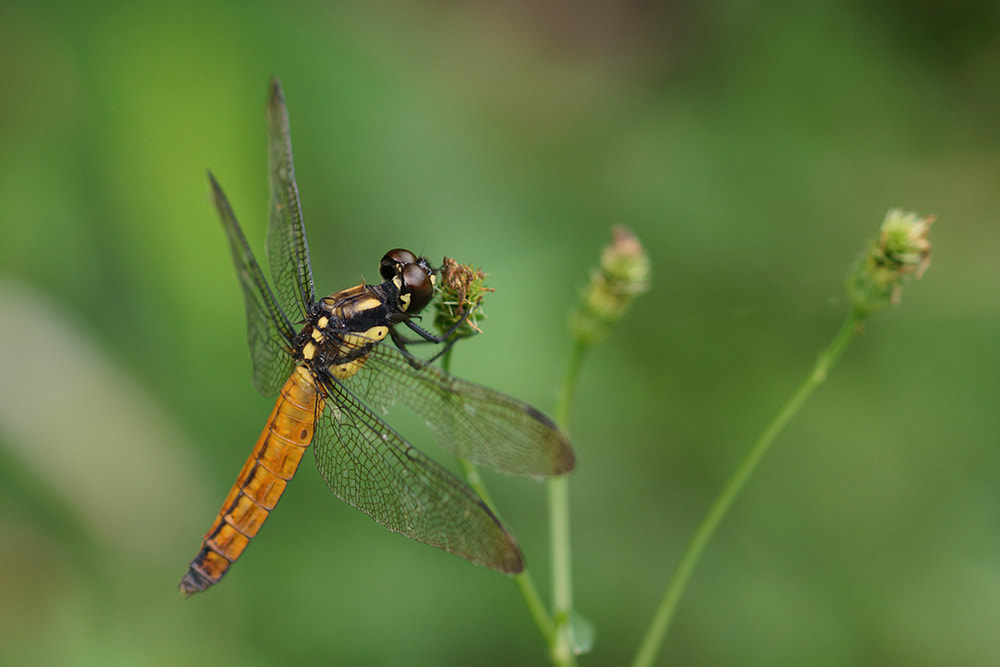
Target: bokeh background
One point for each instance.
(752, 146)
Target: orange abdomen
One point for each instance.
(260, 484)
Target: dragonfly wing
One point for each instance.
(474, 422)
(269, 333)
(287, 248)
(369, 466)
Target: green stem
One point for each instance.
(561, 650)
(650, 645)
(525, 584)
(565, 400)
(533, 601)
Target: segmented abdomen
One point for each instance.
(260, 484)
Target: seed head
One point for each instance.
(623, 274)
(900, 253)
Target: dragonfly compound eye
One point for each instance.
(418, 284)
(393, 262)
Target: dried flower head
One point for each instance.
(900, 253)
(461, 288)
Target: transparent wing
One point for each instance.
(268, 332)
(287, 248)
(476, 423)
(369, 466)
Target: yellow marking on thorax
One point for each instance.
(354, 307)
(357, 341)
(404, 301)
(367, 304)
(376, 333)
(348, 369)
(365, 338)
(322, 322)
(317, 335)
(309, 351)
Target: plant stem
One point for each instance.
(650, 645)
(558, 494)
(565, 400)
(525, 584)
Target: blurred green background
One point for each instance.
(752, 146)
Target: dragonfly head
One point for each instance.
(413, 276)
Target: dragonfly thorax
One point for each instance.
(342, 328)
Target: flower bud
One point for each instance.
(900, 253)
(623, 274)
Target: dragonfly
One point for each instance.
(335, 378)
